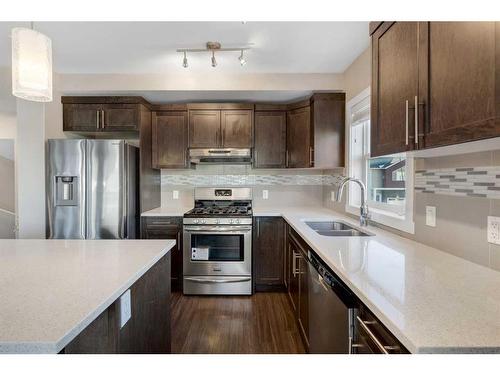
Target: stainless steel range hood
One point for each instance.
(220, 155)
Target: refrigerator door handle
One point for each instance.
(125, 207)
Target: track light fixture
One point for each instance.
(213, 47)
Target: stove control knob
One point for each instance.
(236, 221)
(196, 221)
(231, 221)
(217, 221)
(203, 221)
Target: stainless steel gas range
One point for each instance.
(218, 242)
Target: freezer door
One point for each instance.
(66, 188)
(106, 189)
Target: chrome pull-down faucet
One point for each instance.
(364, 215)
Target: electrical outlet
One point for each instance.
(265, 194)
(125, 308)
(430, 216)
(175, 194)
(494, 229)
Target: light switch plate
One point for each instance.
(125, 308)
(175, 194)
(430, 216)
(265, 194)
(494, 229)
(332, 196)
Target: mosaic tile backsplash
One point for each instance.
(248, 180)
(472, 182)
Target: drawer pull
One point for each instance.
(383, 348)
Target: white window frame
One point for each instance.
(404, 223)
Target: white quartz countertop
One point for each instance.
(50, 290)
(167, 211)
(433, 302)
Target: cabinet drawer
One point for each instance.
(161, 227)
(373, 337)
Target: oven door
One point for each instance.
(217, 250)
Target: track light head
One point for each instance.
(242, 59)
(214, 62)
(185, 61)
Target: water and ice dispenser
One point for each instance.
(66, 191)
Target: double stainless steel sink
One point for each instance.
(335, 229)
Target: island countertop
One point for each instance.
(50, 290)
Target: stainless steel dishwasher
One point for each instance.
(331, 310)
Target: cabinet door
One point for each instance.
(170, 139)
(304, 298)
(81, 117)
(299, 138)
(459, 68)
(394, 87)
(268, 246)
(120, 117)
(270, 140)
(237, 128)
(204, 128)
(168, 228)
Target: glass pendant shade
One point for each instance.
(31, 65)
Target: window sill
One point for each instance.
(390, 219)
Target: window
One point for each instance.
(387, 178)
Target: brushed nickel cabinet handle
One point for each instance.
(416, 119)
(102, 119)
(311, 156)
(97, 119)
(286, 158)
(407, 122)
(383, 348)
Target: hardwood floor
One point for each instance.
(262, 323)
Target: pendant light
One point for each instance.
(31, 65)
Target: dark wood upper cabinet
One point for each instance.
(120, 117)
(459, 81)
(449, 72)
(316, 132)
(81, 117)
(170, 139)
(268, 253)
(237, 128)
(270, 139)
(394, 87)
(204, 128)
(299, 138)
(103, 113)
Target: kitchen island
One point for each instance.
(63, 296)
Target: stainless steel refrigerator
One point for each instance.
(92, 189)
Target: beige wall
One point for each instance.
(357, 76)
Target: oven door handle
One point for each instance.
(218, 281)
(241, 230)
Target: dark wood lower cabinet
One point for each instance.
(147, 331)
(168, 228)
(268, 254)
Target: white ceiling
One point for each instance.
(149, 47)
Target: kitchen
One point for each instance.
(195, 195)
